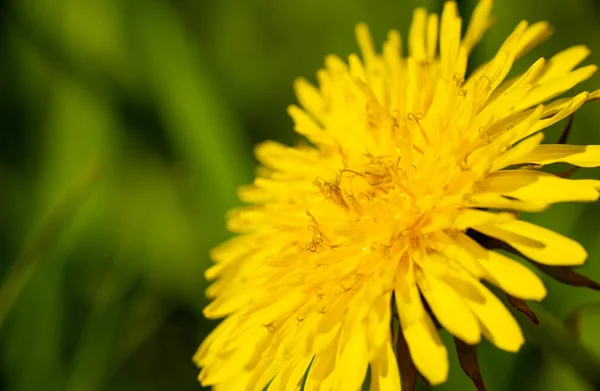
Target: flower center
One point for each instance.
(393, 202)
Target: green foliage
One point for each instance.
(128, 126)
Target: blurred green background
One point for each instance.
(128, 125)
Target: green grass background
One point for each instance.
(127, 125)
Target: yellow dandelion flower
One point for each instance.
(362, 244)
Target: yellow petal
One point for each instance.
(497, 201)
(560, 109)
(384, 371)
(267, 310)
(565, 109)
(532, 37)
(235, 381)
(263, 373)
(472, 217)
(535, 35)
(392, 51)
(515, 154)
(510, 86)
(309, 97)
(433, 24)
(284, 158)
(578, 155)
(497, 323)
(357, 69)
(226, 304)
(564, 62)
(462, 250)
(353, 361)
(290, 374)
(540, 244)
(308, 127)
(378, 323)
(229, 250)
(329, 324)
(323, 365)
(365, 42)
(555, 87)
(426, 348)
(449, 309)
(213, 343)
(479, 23)
(452, 62)
(539, 187)
(482, 160)
(254, 342)
(450, 26)
(416, 35)
(513, 277)
(496, 70)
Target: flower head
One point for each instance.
(363, 243)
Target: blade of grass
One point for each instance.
(48, 235)
(93, 358)
(199, 123)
